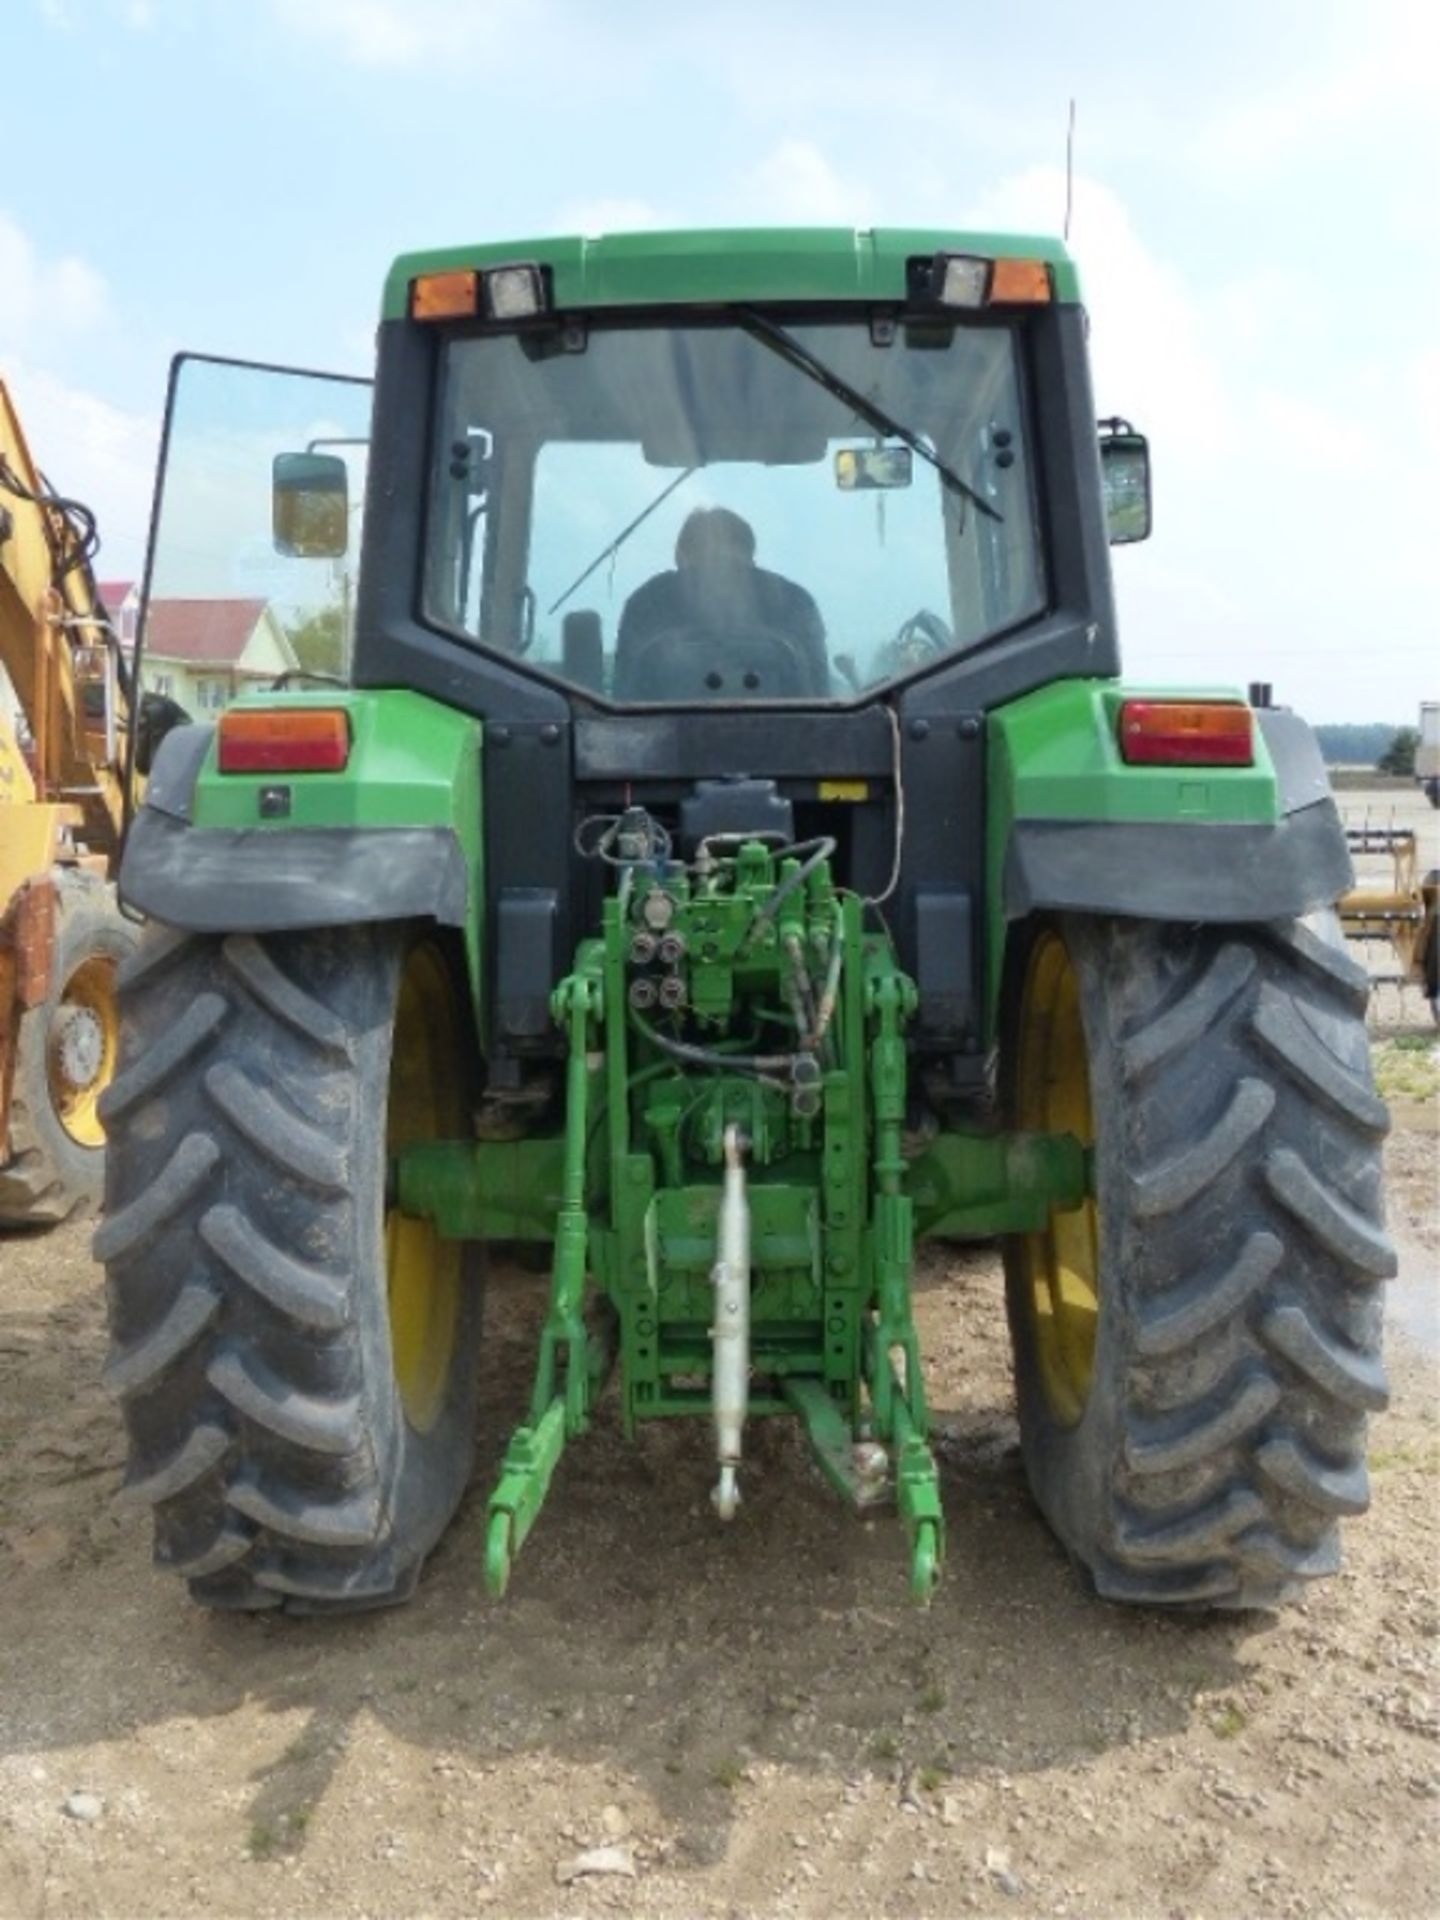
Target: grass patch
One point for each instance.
(728, 1773)
(1230, 1721)
(271, 1838)
(932, 1699)
(884, 1749)
(1407, 1067)
(1423, 1456)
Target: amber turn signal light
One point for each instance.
(1187, 733)
(284, 740)
(445, 296)
(1019, 283)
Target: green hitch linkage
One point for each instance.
(901, 1416)
(534, 1450)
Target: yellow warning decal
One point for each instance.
(844, 789)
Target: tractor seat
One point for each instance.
(686, 663)
(720, 632)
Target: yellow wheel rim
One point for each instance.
(81, 1047)
(1061, 1286)
(426, 1102)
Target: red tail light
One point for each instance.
(284, 740)
(1187, 733)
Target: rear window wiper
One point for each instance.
(770, 334)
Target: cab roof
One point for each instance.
(730, 264)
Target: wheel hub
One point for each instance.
(81, 1047)
(77, 1047)
(1062, 1268)
(422, 1271)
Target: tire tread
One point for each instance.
(1240, 1219)
(249, 1346)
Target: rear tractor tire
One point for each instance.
(65, 1055)
(296, 1365)
(1198, 1347)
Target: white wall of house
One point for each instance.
(198, 689)
(205, 686)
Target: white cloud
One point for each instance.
(796, 183)
(90, 451)
(404, 33)
(1379, 69)
(74, 296)
(86, 447)
(802, 67)
(1267, 489)
(1425, 382)
(1315, 437)
(1241, 315)
(1151, 356)
(615, 215)
(137, 16)
(39, 297)
(354, 351)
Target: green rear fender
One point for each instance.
(1072, 828)
(396, 834)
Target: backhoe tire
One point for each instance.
(64, 1057)
(296, 1366)
(1193, 1411)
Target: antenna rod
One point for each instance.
(1069, 169)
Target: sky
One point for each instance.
(1253, 211)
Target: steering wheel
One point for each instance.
(921, 638)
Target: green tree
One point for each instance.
(319, 641)
(1352, 744)
(1399, 756)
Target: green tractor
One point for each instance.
(707, 837)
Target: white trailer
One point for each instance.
(1427, 754)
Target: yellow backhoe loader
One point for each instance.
(63, 721)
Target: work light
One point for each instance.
(514, 293)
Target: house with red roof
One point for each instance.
(121, 600)
(203, 652)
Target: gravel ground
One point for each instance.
(734, 1722)
(754, 1721)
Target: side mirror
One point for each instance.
(1125, 472)
(310, 505)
